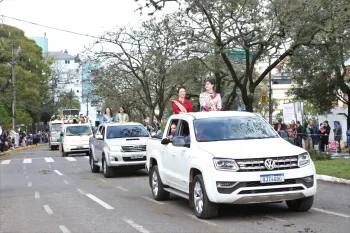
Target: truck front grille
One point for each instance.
(281, 163)
(134, 148)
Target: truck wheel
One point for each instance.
(300, 205)
(157, 186)
(107, 171)
(64, 154)
(94, 167)
(203, 207)
(52, 148)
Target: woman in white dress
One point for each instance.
(122, 116)
(210, 100)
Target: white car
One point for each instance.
(231, 158)
(75, 139)
(118, 145)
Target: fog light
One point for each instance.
(308, 179)
(112, 159)
(224, 184)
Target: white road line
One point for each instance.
(64, 229)
(135, 225)
(81, 191)
(49, 160)
(330, 212)
(37, 195)
(200, 220)
(86, 157)
(6, 161)
(274, 218)
(71, 159)
(59, 173)
(27, 160)
(121, 188)
(102, 203)
(49, 165)
(30, 184)
(48, 209)
(66, 182)
(152, 200)
(102, 180)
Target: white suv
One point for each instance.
(229, 157)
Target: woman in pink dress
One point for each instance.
(210, 100)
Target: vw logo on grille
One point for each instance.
(269, 164)
(136, 147)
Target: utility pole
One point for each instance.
(13, 88)
(87, 106)
(270, 94)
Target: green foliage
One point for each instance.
(318, 155)
(31, 73)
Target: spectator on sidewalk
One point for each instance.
(300, 135)
(338, 132)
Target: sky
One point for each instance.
(92, 17)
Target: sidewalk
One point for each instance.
(22, 148)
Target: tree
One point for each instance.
(67, 100)
(141, 61)
(31, 72)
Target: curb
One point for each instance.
(333, 179)
(22, 148)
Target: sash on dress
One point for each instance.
(181, 107)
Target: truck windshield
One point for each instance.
(126, 131)
(232, 128)
(56, 127)
(78, 130)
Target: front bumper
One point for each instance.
(246, 187)
(54, 143)
(76, 148)
(117, 159)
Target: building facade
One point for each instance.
(43, 42)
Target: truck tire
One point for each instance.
(52, 147)
(159, 194)
(301, 205)
(94, 167)
(108, 172)
(203, 207)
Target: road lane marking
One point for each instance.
(135, 225)
(49, 165)
(6, 161)
(37, 195)
(66, 182)
(64, 229)
(71, 159)
(102, 180)
(81, 191)
(49, 160)
(152, 200)
(59, 173)
(200, 220)
(274, 218)
(330, 212)
(86, 157)
(30, 184)
(121, 188)
(102, 203)
(48, 209)
(27, 160)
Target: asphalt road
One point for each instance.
(40, 191)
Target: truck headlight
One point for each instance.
(115, 148)
(225, 164)
(303, 159)
(53, 139)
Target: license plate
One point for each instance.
(272, 178)
(136, 156)
(79, 147)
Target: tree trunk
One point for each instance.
(348, 118)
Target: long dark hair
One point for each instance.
(179, 88)
(123, 109)
(110, 111)
(211, 81)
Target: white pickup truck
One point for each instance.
(75, 139)
(228, 157)
(118, 145)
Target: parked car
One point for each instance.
(75, 139)
(118, 145)
(228, 157)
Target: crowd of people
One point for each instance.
(309, 135)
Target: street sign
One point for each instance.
(264, 99)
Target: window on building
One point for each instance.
(77, 91)
(67, 61)
(282, 81)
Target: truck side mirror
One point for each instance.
(165, 141)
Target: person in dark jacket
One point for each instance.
(338, 135)
(280, 126)
(324, 136)
(300, 135)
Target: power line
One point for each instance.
(57, 29)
